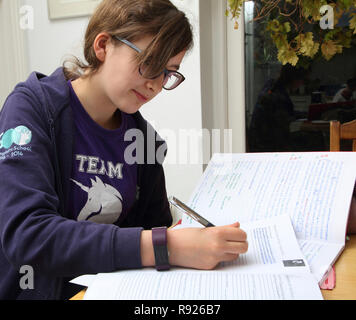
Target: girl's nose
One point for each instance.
(155, 85)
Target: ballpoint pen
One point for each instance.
(191, 213)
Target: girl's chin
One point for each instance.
(131, 109)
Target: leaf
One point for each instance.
(353, 23)
(311, 8)
(346, 3)
(330, 48)
(273, 25)
(279, 26)
(288, 55)
(330, 35)
(235, 7)
(306, 44)
(344, 38)
(280, 40)
(287, 27)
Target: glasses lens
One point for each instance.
(172, 81)
(144, 71)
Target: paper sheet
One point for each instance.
(273, 268)
(272, 243)
(207, 285)
(85, 280)
(314, 189)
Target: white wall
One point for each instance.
(181, 109)
(49, 42)
(12, 61)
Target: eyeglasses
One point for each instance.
(171, 80)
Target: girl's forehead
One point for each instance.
(176, 61)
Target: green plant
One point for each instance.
(295, 27)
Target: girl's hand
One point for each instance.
(205, 248)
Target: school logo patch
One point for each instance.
(20, 136)
(15, 141)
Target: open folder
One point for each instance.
(294, 209)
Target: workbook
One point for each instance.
(273, 268)
(313, 189)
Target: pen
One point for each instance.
(191, 213)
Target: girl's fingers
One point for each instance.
(234, 234)
(235, 225)
(232, 247)
(229, 257)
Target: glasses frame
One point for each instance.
(166, 72)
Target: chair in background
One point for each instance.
(345, 131)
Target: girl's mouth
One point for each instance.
(140, 96)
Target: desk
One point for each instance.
(315, 126)
(345, 269)
(79, 296)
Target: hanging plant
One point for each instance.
(302, 28)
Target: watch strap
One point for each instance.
(159, 240)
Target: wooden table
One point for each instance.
(345, 269)
(79, 296)
(313, 126)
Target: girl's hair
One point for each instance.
(133, 20)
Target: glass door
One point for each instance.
(289, 108)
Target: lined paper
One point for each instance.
(313, 189)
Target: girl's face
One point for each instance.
(121, 81)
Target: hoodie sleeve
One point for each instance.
(31, 229)
(158, 211)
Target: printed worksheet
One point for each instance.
(202, 285)
(272, 247)
(273, 268)
(313, 189)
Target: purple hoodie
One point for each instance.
(36, 229)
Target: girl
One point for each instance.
(76, 198)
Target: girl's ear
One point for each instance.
(101, 45)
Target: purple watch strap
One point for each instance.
(159, 240)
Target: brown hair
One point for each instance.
(133, 20)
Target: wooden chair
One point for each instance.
(345, 131)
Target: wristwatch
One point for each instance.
(159, 240)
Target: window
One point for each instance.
(288, 108)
